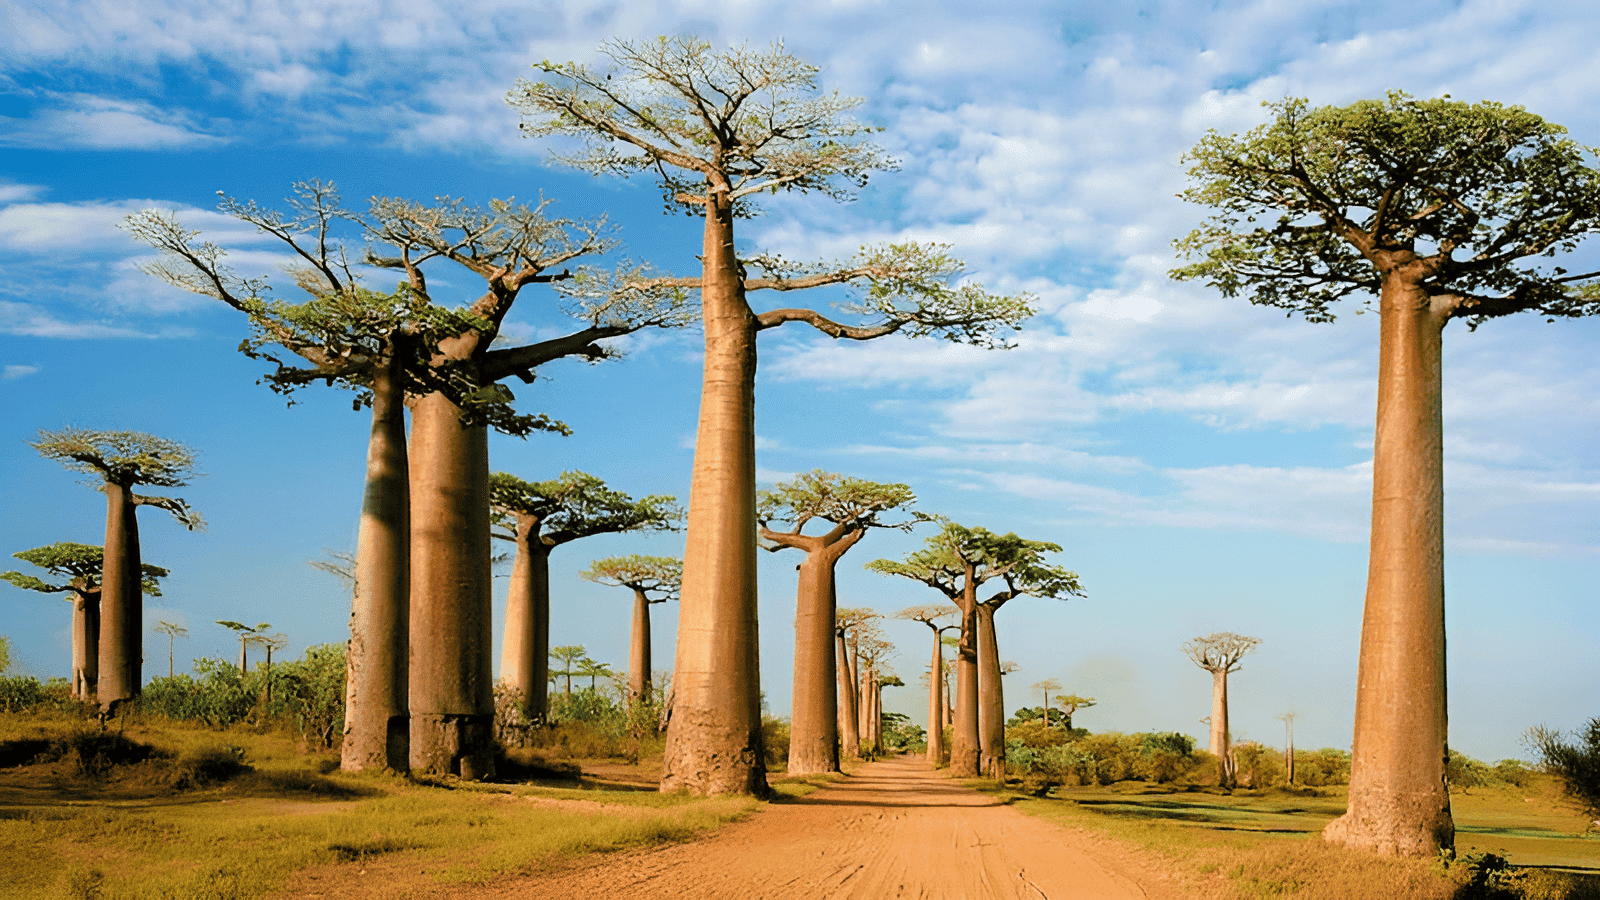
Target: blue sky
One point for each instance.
(1204, 463)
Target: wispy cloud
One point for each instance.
(15, 371)
(24, 319)
(85, 121)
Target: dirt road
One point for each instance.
(894, 829)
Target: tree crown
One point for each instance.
(661, 575)
(958, 552)
(929, 614)
(576, 505)
(81, 564)
(1220, 651)
(1460, 195)
(850, 504)
(125, 458)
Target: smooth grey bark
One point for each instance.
(121, 651)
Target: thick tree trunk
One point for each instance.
(991, 698)
(936, 703)
(964, 748)
(121, 603)
(639, 650)
(877, 715)
(814, 716)
(376, 720)
(864, 685)
(714, 738)
(85, 644)
(1219, 727)
(451, 683)
(525, 646)
(849, 720)
(1398, 800)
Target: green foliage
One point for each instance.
(1019, 563)
(1042, 758)
(5, 654)
(775, 735)
(1576, 764)
(24, 693)
(901, 735)
(1464, 772)
(81, 564)
(660, 575)
(306, 696)
(1473, 189)
(576, 505)
(218, 697)
(1318, 768)
(120, 457)
(852, 502)
(312, 689)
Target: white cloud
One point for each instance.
(25, 319)
(102, 123)
(15, 371)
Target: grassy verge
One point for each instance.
(1254, 844)
(173, 812)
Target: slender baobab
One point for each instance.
(173, 631)
(1443, 210)
(538, 517)
(1288, 747)
(570, 656)
(423, 548)
(936, 616)
(644, 575)
(1045, 687)
(850, 506)
(1071, 703)
(246, 634)
(1219, 653)
(720, 129)
(848, 622)
(122, 460)
(80, 564)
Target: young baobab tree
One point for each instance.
(173, 631)
(123, 460)
(537, 517)
(247, 634)
(936, 616)
(270, 643)
(1288, 747)
(1219, 653)
(593, 670)
(1442, 210)
(423, 548)
(1070, 704)
(644, 575)
(848, 620)
(570, 656)
(80, 565)
(851, 506)
(719, 129)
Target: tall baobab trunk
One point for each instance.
(991, 698)
(121, 648)
(865, 681)
(451, 689)
(639, 649)
(714, 740)
(964, 747)
(814, 715)
(525, 646)
(936, 702)
(85, 643)
(949, 710)
(1398, 800)
(849, 720)
(377, 719)
(1219, 727)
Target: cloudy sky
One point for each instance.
(1205, 464)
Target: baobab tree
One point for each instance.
(247, 635)
(537, 517)
(1219, 653)
(718, 130)
(872, 652)
(937, 617)
(1071, 703)
(1442, 210)
(851, 506)
(173, 631)
(1288, 747)
(956, 561)
(80, 565)
(420, 670)
(1045, 687)
(848, 623)
(569, 656)
(644, 575)
(123, 460)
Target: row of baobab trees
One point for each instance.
(1435, 207)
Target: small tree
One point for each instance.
(1577, 764)
(569, 656)
(1288, 747)
(851, 506)
(247, 635)
(1071, 703)
(1442, 210)
(1045, 687)
(173, 631)
(593, 670)
(719, 130)
(122, 460)
(644, 575)
(80, 565)
(1219, 653)
(538, 517)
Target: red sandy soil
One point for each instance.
(894, 829)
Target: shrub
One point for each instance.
(1577, 765)
(900, 734)
(775, 742)
(218, 697)
(312, 688)
(1461, 771)
(1319, 768)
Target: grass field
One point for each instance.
(220, 816)
(1263, 843)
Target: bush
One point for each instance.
(24, 693)
(1319, 768)
(775, 742)
(219, 697)
(1577, 765)
(312, 688)
(901, 735)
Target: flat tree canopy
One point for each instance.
(80, 563)
(576, 505)
(660, 575)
